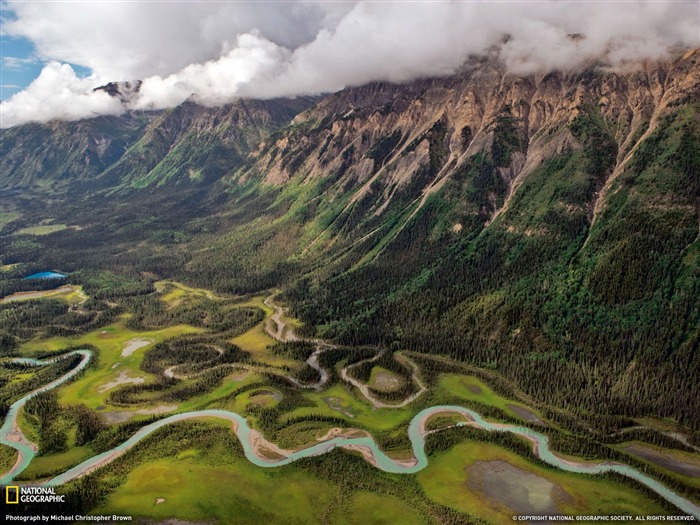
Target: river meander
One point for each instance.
(11, 435)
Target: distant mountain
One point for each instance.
(188, 142)
(545, 226)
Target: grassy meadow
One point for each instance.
(195, 470)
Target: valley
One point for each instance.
(258, 409)
(446, 301)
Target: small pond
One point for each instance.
(47, 275)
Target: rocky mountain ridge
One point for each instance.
(470, 107)
(124, 150)
(544, 226)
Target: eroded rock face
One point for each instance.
(380, 133)
(476, 207)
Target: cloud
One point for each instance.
(214, 52)
(18, 63)
(214, 82)
(62, 95)
(127, 40)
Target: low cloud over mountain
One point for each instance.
(215, 52)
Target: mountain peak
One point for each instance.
(124, 90)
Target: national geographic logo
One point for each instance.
(11, 495)
(15, 494)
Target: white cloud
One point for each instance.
(57, 93)
(214, 82)
(17, 63)
(214, 52)
(127, 40)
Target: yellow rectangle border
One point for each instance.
(7, 494)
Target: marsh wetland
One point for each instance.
(159, 409)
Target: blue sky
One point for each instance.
(19, 65)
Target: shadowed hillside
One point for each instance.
(544, 226)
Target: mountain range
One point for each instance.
(544, 226)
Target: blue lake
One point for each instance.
(47, 275)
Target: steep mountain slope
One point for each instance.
(60, 154)
(140, 149)
(544, 226)
(383, 142)
(197, 144)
